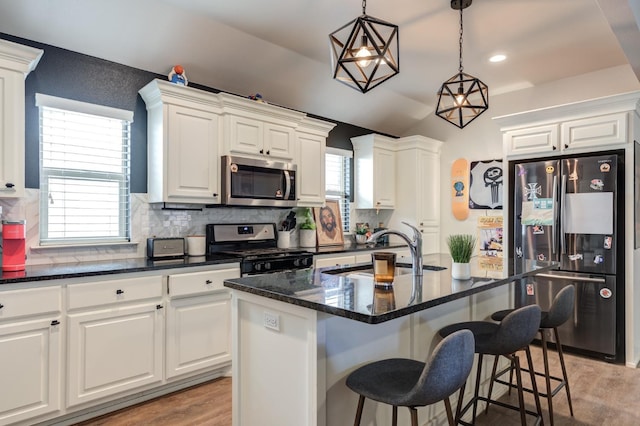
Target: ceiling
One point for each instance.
(280, 48)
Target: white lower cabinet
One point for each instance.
(198, 328)
(30, 353)
(114, 337)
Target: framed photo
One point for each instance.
(328, 224)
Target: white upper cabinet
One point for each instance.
(183, 134)
(16, 62)
(310, 183)
(375, 172)
(583, 127)
(418, 189)
(259, 130)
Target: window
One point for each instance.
(84, 172)
(338, 181)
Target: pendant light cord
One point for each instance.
(460, 68)
(364, 7)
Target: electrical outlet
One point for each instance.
(271, 320)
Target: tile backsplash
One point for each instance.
(149, 220)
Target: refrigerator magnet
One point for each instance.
(605, 167)
(598, 259)
(537, 229)
(608, 240)
(605, 293)
(530, 291)
(597, 184)
(574, 257)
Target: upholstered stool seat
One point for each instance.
(409, 383)
(506, 338)
(560, 311)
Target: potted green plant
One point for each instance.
(461, 248)
(362, 233)
(307, 228)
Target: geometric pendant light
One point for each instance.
(463, 97)
(364, 52)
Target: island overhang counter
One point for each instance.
(297, 335)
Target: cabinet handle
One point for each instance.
(1, 306)
(215, 194)
(262, 151)
(9, 185)
(55, 322)
(268, 152)
(208, 282)
(566, 146)
(554, 148)
(159, 306)
(118, 291)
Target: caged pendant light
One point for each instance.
(463, 97)
(364, 52)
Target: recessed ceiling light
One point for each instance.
(497, 58)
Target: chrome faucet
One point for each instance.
(415, 245)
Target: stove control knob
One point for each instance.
(267, 266)
(307, 262)
(257, 266)
(297, 262)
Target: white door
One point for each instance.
(192, 158)
(29, 369)
(198, 333)
(113, 350)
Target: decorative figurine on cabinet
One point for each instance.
(178, 75)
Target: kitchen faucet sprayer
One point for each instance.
(415, 245)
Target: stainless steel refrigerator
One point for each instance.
(571, 210)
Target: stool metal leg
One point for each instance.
(547, 373)
(359, 411)
(414, 416)
(476, 393)
(447, 406)
(534, 386)
(394, 415)
(493, 376)
(523, 418)
(564, 369)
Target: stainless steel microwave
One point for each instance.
(251, 182)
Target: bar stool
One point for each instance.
(560, 311)
(514, 333)
(409, 383)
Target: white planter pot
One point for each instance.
(461, 271)
(307, 238)
(361, 239)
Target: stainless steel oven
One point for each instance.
(256, 246)
(251, 182)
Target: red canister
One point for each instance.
(13, 245)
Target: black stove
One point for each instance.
(256, 246)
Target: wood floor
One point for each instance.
(602, 394)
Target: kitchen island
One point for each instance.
(297, 335)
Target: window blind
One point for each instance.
(84, 173)
(338, 181)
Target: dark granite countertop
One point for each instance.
(109, 267)
(350, 291)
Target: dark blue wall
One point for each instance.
(72, 75)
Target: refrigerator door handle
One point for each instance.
(555, 214)
(572, 278)
(563, 193)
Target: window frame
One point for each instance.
(122, 179)
(344, 196)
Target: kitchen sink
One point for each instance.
(401, 269)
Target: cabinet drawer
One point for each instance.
(200, 282)
(36, 301)
(114, 291)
